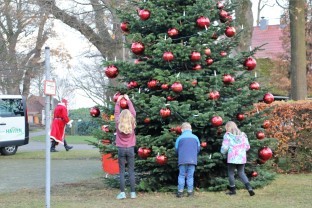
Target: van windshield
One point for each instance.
(11, 107)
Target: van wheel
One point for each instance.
(10, 150)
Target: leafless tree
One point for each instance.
(23, 32)
(261, 4)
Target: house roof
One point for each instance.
(271, 36)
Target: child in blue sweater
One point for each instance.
(187, 147)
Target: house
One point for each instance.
(271, 36)
(35, 109)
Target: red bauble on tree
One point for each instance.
(144, 152)
(254, 174)
(250, 63)
(168, 56)
(132, 84)
(111, 71)
(124, 26)
(265, 153)
(203, 144)
(240, 116)
(227, 79)
(197, 67)
(177, 87)
(95, 111)
(216, 121)
(260, 135)
(137, 48)
(254, 86)
(208, 52)
(203, 22)
(170, 98)
(172, 32)
(266, 124)
(165, 112)
(268, 98)
(164, 86)
(105, 128)
(223, 14)
(123, 103)
(223, 53)
(161, 159)
(152, 84)
(209, 61)
(194, 82)
(195, 56)
(214, 95)
(144, 14)
(230, 31)
(147, 120)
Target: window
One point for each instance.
(11, 108)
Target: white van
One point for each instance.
(14, 128)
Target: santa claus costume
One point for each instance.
(60, 119)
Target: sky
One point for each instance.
(73, 42)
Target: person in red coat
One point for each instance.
(59, 122)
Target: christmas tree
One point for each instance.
(183, 70)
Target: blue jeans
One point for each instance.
(126, 154)
(186, 172)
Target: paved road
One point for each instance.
(18, 174)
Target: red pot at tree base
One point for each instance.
(109, 164)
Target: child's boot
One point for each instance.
(249, 188)
(232, 190)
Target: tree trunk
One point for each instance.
(298, 50)
(244, 16)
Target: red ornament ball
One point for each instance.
(260, 135)
(177, 87)
(144, 14)
(195, 56)
(250, 63)
(168, 56)
(209, 61)
(208, 52)
(240, 116)
(95, 111)
(265, 153)
(165, 112)
(172, 32)
(254, 86)
(197, 67)
(227, 79)
(132, 84)
(105, 128)
(230, 31)
(194, 82)
(216, 121)
(223, 53)
(137, 48)
(124, 26)
(161, 159)
(214, 95)
(144, 152)
(268, 98)
(170, 98)
(223, 14)
(203, 144)
(203, 22)
(147, 120)
(254, 174)
(111, 71)
(164, 86)
(266, 124)
(152, 84)
(123, 103)
(220, 5)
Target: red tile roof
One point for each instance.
(271, 36)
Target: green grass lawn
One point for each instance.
(69, 138)
(287, 191)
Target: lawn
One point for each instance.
(71, 139)
(293, 191)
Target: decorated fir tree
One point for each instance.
(183, 70)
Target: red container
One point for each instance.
(109, 164)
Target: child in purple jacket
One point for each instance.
(125, 142)
(235, 144)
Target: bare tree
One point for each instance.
(23, 33)
(261, 4)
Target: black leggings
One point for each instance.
(241, 173)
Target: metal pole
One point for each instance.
(47, 130)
